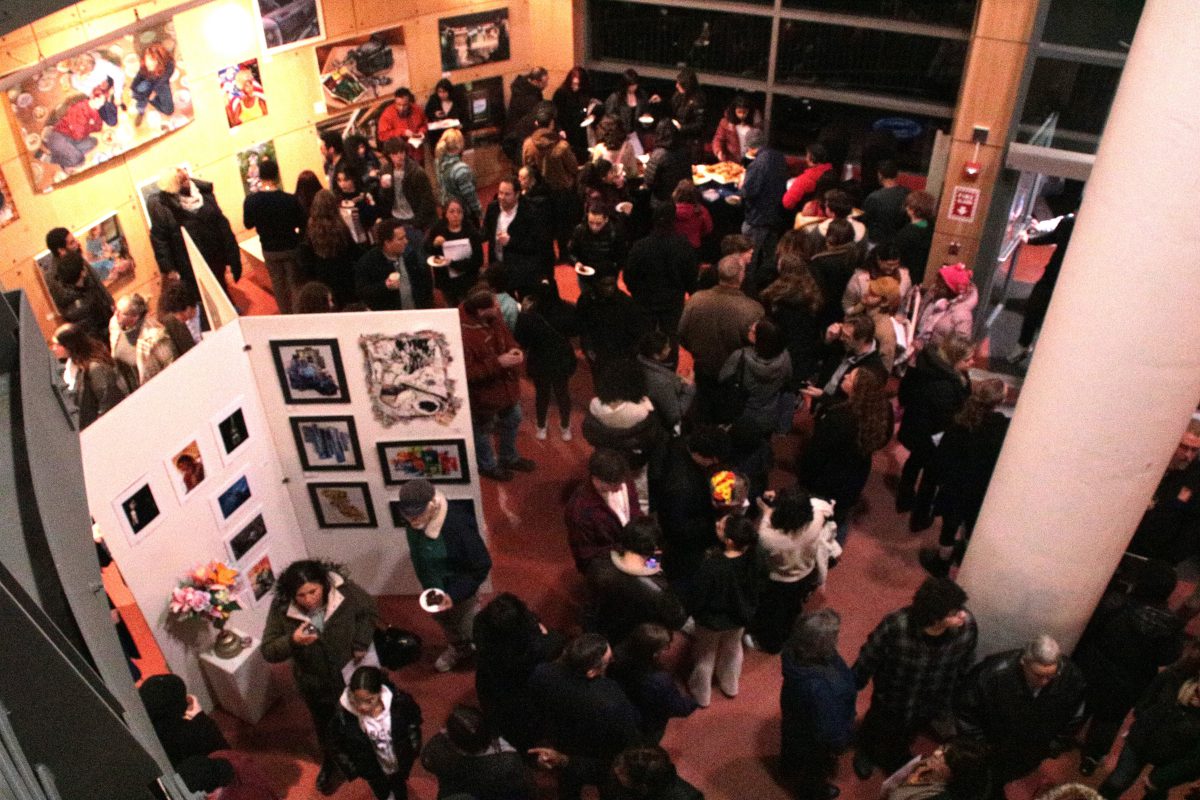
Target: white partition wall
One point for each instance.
(376, 556)
(128, 455)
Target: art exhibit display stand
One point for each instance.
(240, 685)
(303, 427)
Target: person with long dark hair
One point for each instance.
(544, 330)
(307, 186)
(572, 101)
(958, 770)
(629, 104)
(446, 103)
(741, 117)
(670, 162)
(638, 666)
(328, 253)
(377, 733)
(100, 381)
(355, 204)
(687, 109)
(319, 620)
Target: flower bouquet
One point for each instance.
(206, 593)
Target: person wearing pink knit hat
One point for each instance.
(947, 307)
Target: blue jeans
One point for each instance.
(68, 152)
(156, 92)
(504, 424)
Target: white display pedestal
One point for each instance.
(241, 685)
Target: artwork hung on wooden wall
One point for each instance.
(362, 68)
(473, 39)
(108, 99)
(104, 247)
(8, 210)
(245, 98)
(408, 377)
(287, 24)
(248, 161)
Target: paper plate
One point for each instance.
(436, 261)
(646, 119)
(585, 271)
(423, 600)
(587, 121)
(625, 207)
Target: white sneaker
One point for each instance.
(541, 434)
(566, 434)
(447, 660)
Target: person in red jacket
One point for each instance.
(70, 140)
(493, 362)
(600, 507)
(808, 184)
(404, 118)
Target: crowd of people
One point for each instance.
(819, 317)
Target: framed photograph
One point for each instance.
(186, 468)
(138, 510)
(408, 377)
(229, 427)
(245, 98)
(247, 538)
(261, 578)
(232, 499)
(79, 112)
(248, 161)
(287, 24)
(473, 39)
(342, 505)
(310, 371)
(362, 68)
(8, 211)
(104, 247)
(326, 443)
(442, 461)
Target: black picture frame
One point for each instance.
(445, 472)
(318, 493)
(304, 431)
(329, 382)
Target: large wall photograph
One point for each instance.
(111, 98)
(362, 68)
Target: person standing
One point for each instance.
(883, 209)
(277, 217)
(448, 555)
(176, 310)
(493, 362)
(377, 733)
(544, 329)
(456, 179)
(100, 382)
(390, 277)
(519, 238)
(320, 621)
(405, 191)
(138, 341)
(600, 507)
(469, 759)
(916, 657)
(76, 290)
(186, 203)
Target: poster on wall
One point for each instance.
(286, 24)
(473, 39)
(248, 161)
(310, 371)
(326, 443)
(8, 211)
(342, 505)
(363, 120)
(118, 94)
(442, 461)
(362, 68)
(138, 510)
(104, 247)
(408, 377)
(245, 98)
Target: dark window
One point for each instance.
(952, 13)
(859, 59)
(1100, 24)
(708, 41)
(1081, 94)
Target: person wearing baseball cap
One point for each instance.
(450, 557)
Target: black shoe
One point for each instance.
(919, 521)
(933, 563)
(496, 473)
(329, 779)
(863, 767)
(520, 465)
(1087, 766)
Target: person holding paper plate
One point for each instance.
(456, 252)
(445, 109)
(323, 623)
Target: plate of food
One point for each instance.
(431, 600)
(584, 270)
(587, 121)
(437, 261)
(624, 207)
(733, 199)
(700, 174)
(711, 195)
(726, 172)
(646, 119)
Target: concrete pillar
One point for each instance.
(1117, 368)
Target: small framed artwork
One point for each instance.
(231, 432)
(342, 505)
(186, 468)
(247, 538)
(441, 461)
(138, 510)
(310, 371)
(261, 578)
(326, 443)
(232, 499)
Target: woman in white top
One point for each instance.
(377, 733)
(799, 539)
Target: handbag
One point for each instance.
(397, 647)
(734, 393)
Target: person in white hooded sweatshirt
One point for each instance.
(377, 733)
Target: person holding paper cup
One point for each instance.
(404, 120)
(322, 622)
(450, 560)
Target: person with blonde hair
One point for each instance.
(184, 202)
(455, 177)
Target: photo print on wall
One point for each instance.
(138, 510)
(342, 505)
(286, 24)
(310, 371)
(232, 433)
(442, 461)
(8, 210)
(104, 247)
(247, 538)
(248, 161)
(115, 96)
(473, 39)
(261, 578)
(326, 443)
(186, 469)
(362, 68)
(245, 98)
(232, 498)
(408, 377)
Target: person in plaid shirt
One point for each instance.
(916, 656)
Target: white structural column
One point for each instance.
(1117, 368)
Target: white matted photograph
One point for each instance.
(230, 430)
(137, 509)
(185, 468)
(233, 499)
